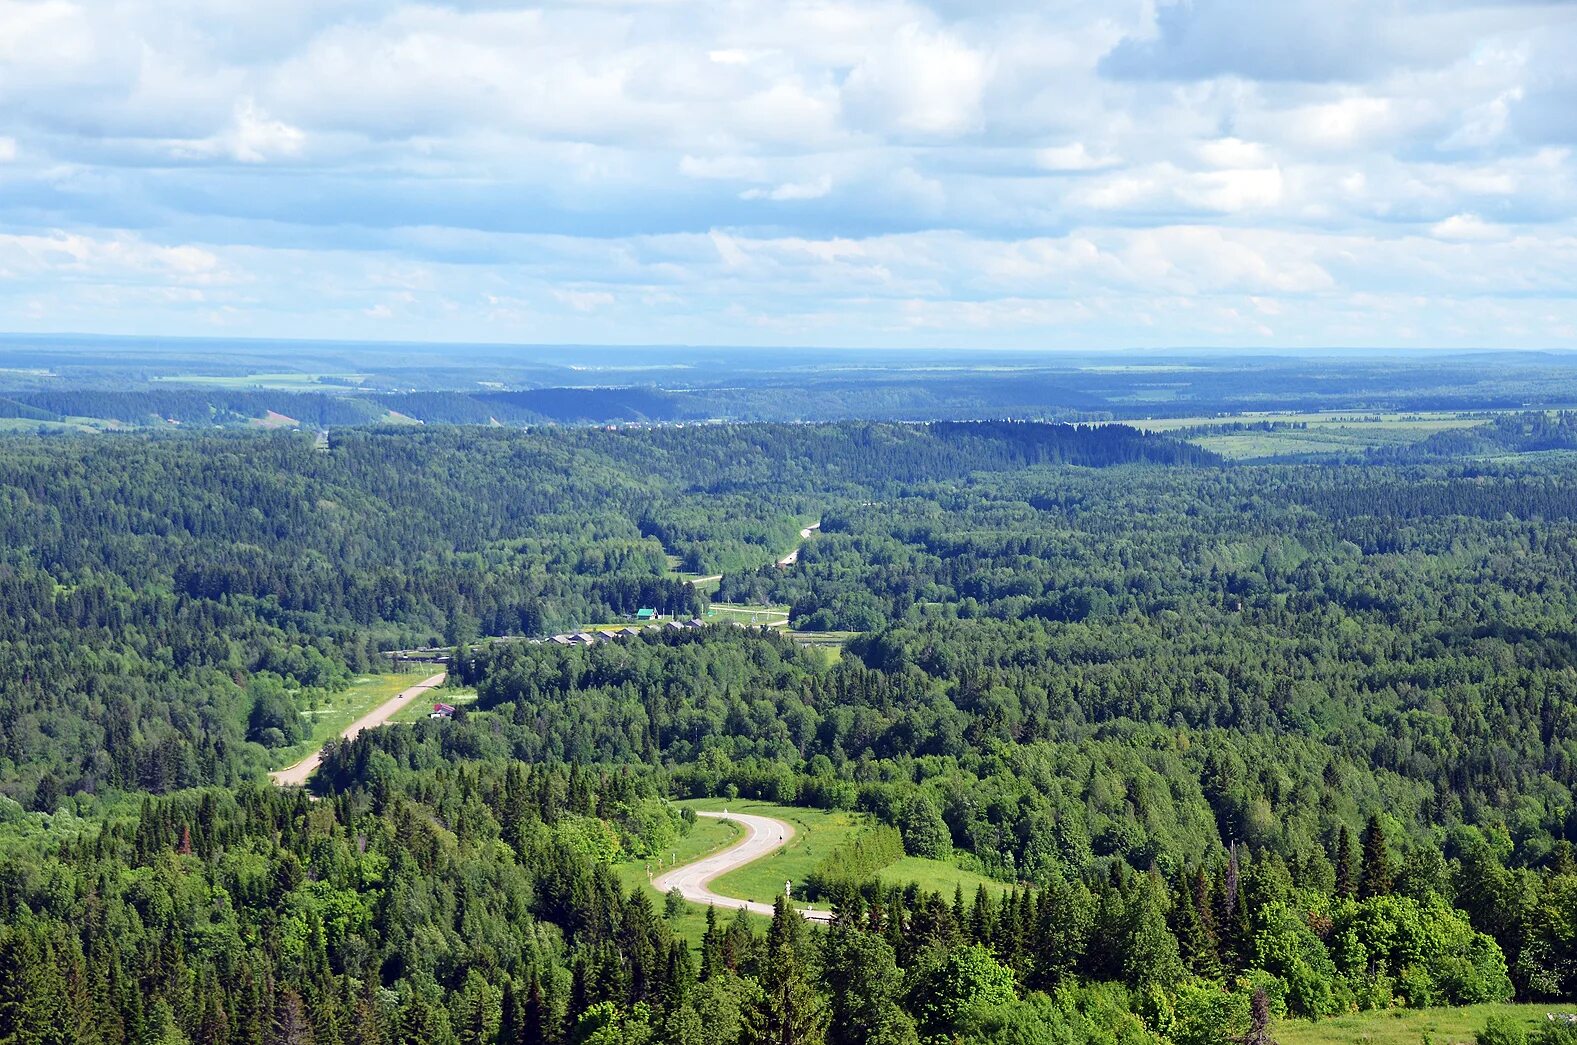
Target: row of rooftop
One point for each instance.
(590, 638)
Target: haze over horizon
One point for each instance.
(883, 174)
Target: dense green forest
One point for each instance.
(1236, 742)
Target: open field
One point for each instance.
(816, 833)
(337, 711)
(418, 710)
(728, 613)
(71, 424)
(939, 876)
(1330, 432)
(830, 640)
(707, 836)
(282, 381)
(1455, 1026)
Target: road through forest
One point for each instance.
(297, 775)
(792, 557)
(763, 835)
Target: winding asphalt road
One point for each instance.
(297, 775)
(763, 835)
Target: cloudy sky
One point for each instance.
(960, 173)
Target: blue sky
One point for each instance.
(965, 174)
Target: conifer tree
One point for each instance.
(789, 1011)
(1346, 864)
(1195, 944)
(1377, 873)
(711, 946)
(863, 982)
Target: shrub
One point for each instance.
(1501, 1030)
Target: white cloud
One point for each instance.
(803, 190)
(1073, 157)
(728, 168)
(1230, 191)
(584, 300)
(252, 137)
(871, 169)
(920, 82)
(1466, 227)
(1231, 152)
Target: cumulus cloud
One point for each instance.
(1100, 172)
(793, 190)
(922, 81)
(1074, 156)
(1466, 227)
(1310, 40)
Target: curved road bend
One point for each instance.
(804, 535)
(763, 835)
(297, 775)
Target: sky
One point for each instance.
(1037, 175)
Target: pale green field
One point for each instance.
(831, 641)
(1322, 439)
(705, 838)
(418, 710)
(285, 381)
(727, 613)
(336, 711)
(74, 424)
(1330, 432)
(1408, 1026)
(816, 833)
(939, 876)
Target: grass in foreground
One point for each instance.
(336, 711)
(1453, 1026)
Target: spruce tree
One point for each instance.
(1346, 864)
(711, 946)
(789, 1011)
(1376, 875)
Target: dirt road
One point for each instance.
(297, 774)
(763, 835)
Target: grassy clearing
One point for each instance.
(833, 641)
(816, 833)
(284, 381)
(336, 711)
(938, 876)
(705, 838)
(417, 710)
(728, 613)
(1408, 1026)
(69, 424)
(1331, 432)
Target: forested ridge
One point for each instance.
(162, 593)
(1291, 740)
